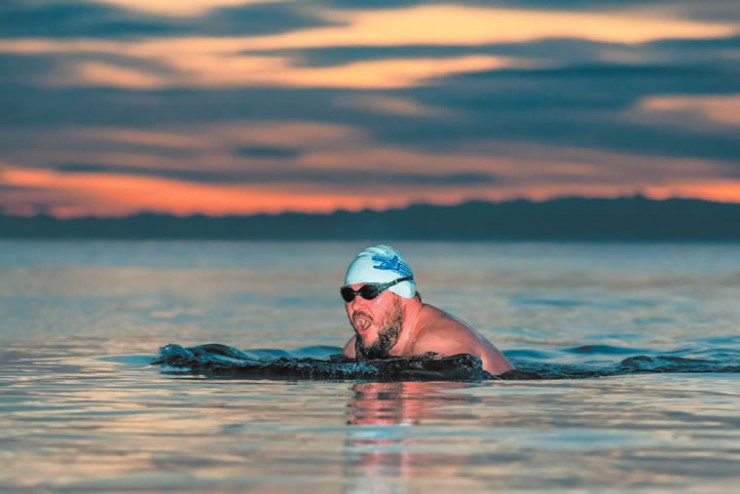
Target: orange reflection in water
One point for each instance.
(378, 446)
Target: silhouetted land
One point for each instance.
(634, 219)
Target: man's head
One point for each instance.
(377, 286)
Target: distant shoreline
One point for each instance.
(633, 219)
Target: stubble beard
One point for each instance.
(387, 337)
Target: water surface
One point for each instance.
(84, 411)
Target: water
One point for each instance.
(84, 411)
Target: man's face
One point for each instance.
(376, 322)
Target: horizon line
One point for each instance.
(145, 212)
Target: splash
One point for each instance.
(327, 363)
(641, 364)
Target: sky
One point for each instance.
(219, 107)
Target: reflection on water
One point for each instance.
(378, 450)
(629, 434)
(407, 403)
(116, 424)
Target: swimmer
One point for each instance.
(390, 320)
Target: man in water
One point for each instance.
(390, 320)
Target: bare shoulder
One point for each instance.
(445, 335)
(349, 348)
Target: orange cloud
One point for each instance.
(101, 74)
(171, 139)
(424, 25)
(519, 170)
(296, 133)
(459, 25)
(113, 195)
(182, 8)
(392, 106)
(186, 147)
(78, 194)
(711, 190)
(724, 109)
(207, 70)
(216, 61)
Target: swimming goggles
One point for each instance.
(369, 291)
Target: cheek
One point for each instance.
(384, 307)
(378, 309)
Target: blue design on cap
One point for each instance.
(387, 263)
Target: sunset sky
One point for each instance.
(112, 107)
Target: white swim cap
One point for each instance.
(381, 264)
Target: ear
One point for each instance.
(405, 302)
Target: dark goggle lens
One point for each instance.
(368, 292)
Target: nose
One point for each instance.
(357, 303)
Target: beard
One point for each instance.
(387, 337)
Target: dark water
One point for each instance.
(327, 363)
(220, 361)
(627, 359)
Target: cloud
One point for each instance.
(78, 19)
(340, 49)
(461, 25)
(135, 19)
(330, 177)
(188, 8)
(723, 110)
(391, 106)
(572, 106)
(709, 189)
(110, 195)
(198, 176)
(266, 152)
(198, 59)
(373, 103)
(551, 52)
(380, 178)
(194, 146)
(212, 65)
(218, 71)
(79, 194)
(16, 70)
(715, 10)
(17, 188)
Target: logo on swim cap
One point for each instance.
(387, 263)
(381, 264)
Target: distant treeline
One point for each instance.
(634, 218)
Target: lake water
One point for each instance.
(82, 409)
